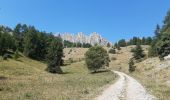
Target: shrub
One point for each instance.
(112, 51)
(131, 66)
(96, 57)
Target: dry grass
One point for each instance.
(26, 79)
(156, 81)
(75, 53)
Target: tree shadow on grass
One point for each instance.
(100, 71)
(3, 78)
(67, 73)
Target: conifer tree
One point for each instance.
(138, 52)
(54, 56)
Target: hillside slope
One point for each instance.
(27, 79)
(151, 72)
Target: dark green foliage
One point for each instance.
(68, 44)
(87, 45)
(163, 45)
(148, 41)
(138, 52)
(157, 31)
(122, 43)
(141, 41)
(153, 49)
(79, 44)
(161, 42)
(108, 45)
(18, 34)
(35, 44)
(16, 54)
(112, 51)
(54, 56)
(131, 66)
(115, 45)
(6, 41)
(96, 58)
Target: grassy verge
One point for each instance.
(155, 82)
(26, 79)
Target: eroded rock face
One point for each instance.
(93, 38)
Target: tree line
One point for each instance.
(32, 43)
(68, 44)
(134, 41)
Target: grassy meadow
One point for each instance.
(26, 79)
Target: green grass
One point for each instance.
(26, 79)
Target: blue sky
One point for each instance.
(113, 19)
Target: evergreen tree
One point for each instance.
(163, 45)
(18, 33)
(108, 45)
(6, 41)
(143, 41)
(138, 52)
(131, 66)
(54, 56)
(30, 43)
(157, 31)
(135, 40)
(115, 45)
(122, 43)
(148, 41)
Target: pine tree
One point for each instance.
(108, 45)
(157, 31)
(122, 43)
(131, 66)
(54, 56)
(138, 52)
(18, 33)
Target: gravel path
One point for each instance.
(126, 88)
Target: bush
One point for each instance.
(96, 58)
(112, 51)
(131, 66)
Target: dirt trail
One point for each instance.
(126, 88)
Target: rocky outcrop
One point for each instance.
(93, 38)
